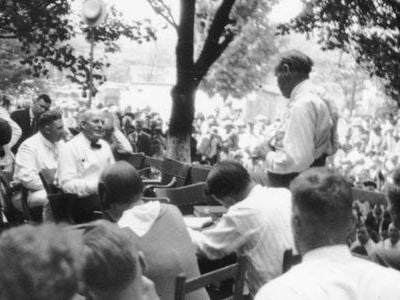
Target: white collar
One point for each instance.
(31, 115)
(140, 218)
(45, 141)
(336, 252)
(299, 88)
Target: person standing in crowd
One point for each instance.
(27, 118)
(114, 265)
(310, 133)
(81, 162)
(393, 240)
(256, 225)
(157, 228)
(40, 153)
(40, 262)
(321, 220)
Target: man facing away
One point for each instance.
(82, 160)
(40, 153)
(256, 225)
(114, 267)
(321, 220)
(310, 133)
(27, 118)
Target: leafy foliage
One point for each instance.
(242, 68)
(44, 30)
(367, 29)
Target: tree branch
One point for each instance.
(164, 11)
(213, 48)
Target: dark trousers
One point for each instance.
(284, 180)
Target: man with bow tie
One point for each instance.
(81, 163)
(39, 153)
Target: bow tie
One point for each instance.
(95, 145)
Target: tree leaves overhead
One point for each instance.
(45, 29)
(368, 29)
(244, 65)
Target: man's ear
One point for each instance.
(142, 261)
(297, 225)
(285, 69)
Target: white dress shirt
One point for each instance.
(80, 166)
(34, 155)
(7, 161)
(257, 227)
(332, 273)
(308, 132)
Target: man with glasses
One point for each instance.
(81, 162)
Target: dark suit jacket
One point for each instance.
(144, 144)
(22, 118)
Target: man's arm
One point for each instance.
(26, 170)
(69, 178)
(232, 231)
(298, 143)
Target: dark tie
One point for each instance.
(34, 126)
(95, 145)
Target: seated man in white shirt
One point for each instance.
(393, 241)
(39, 153)
(257, 223)
(321, 219)
(81, 163)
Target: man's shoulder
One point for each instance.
(31, 142)
(20, 113)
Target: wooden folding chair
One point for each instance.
(372, 197)
(236, 271)
(61, 206)
(199, 173)
(185, 197)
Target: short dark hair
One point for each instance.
(48, 117)
(119, 182)
(111, 260)
(324, 195)
(46, 98)
(227, 178)
(5, 132)
(39, 262)
(296, 61)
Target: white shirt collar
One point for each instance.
(299, 88)
(140, 218)
(31, 115)
(336, 252)
(46, 142)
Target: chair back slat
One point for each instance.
(372, 197)
(236, 271)
(199, 173)
(172, 168)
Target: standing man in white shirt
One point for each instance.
(81, 163)
(256, 225)
(310, 133)
(40, 153)
(321, 219)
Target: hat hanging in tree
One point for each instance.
(94, 12)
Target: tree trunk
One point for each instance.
(181, 122)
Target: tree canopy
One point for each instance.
(245, 64)
(44, 31)
(367, 29)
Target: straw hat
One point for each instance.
(93, 12)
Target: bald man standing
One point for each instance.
(310, 127)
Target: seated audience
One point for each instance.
(257, 223)
(158, 229)
(38, 263)
(40, 153)
(322, 217)
(82, 159)
(114, 266)
(364, 245)
(393, 240)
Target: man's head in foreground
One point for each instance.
(322, 209)
(39, 262)
(114, 266)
